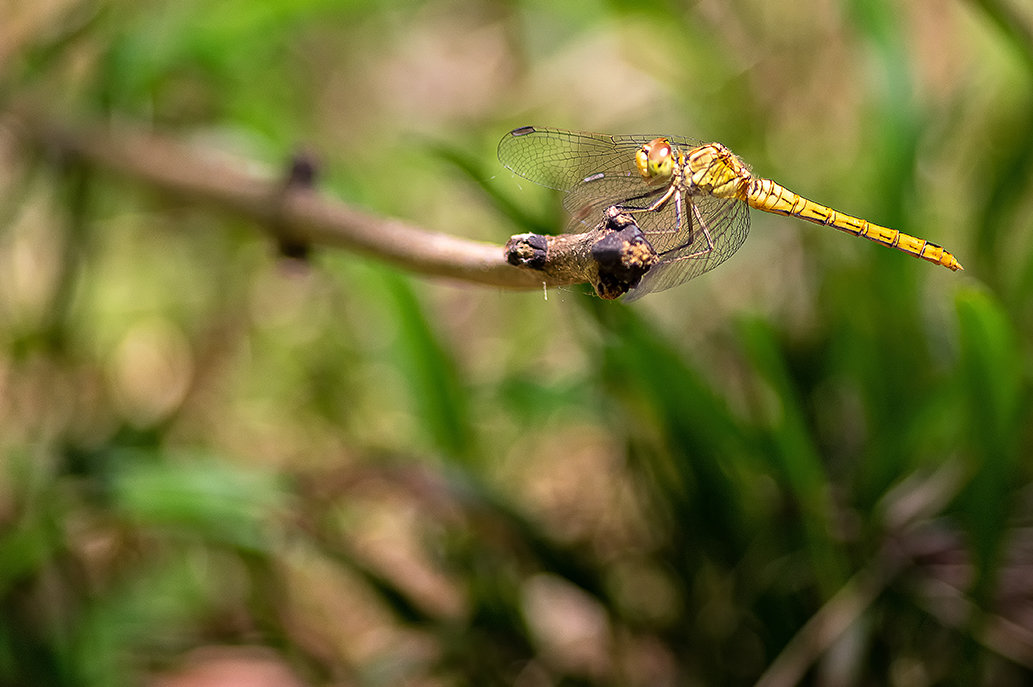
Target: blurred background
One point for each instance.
(810, 466)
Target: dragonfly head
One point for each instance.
(655, 161)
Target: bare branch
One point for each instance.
(292, 213)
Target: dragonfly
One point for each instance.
(691, 199)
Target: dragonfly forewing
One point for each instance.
(563, 159)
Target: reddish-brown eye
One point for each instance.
(658, 150)
(655, 161)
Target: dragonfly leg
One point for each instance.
(679, 211)
(695, 218)
(681, 223)
(671, 190)
(657, 204)
(706, 235)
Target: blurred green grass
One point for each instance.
(385, 480)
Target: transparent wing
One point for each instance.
(563, 159)
(726, 220)
(587, 200)
(595, 170)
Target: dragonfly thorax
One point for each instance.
(715, 170)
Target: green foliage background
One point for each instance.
(811, 465)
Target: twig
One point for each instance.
(953, 609)
(293, 213)
(827, 625)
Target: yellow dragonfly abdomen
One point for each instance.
(770, 196)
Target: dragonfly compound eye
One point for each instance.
(654, 160)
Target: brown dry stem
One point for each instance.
(294, 214)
